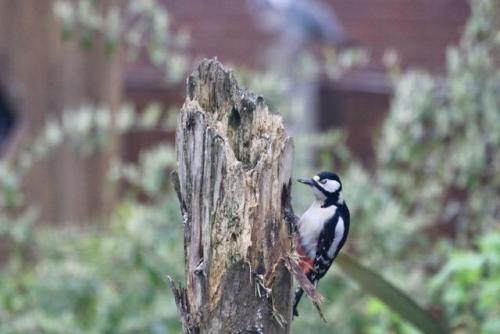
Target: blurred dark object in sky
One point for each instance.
(297, 25)
(299, 21)
(7, 121)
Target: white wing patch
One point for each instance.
(339, 234)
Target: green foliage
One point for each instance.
(144, 27)
(108, 279)
(102, 281)
(433, 191)
(443, 134)
(469, 285)
(395, 299)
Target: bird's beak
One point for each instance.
(306, 180)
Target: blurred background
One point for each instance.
(401, 98)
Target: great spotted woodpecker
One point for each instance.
(322, 229)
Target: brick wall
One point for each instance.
(419, 30)
(221, 28)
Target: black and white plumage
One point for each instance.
(322, 229)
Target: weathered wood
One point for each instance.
(233, 183)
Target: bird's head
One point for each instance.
(326, 187)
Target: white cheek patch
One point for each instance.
(316, 178)
(331, 186)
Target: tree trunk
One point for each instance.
(233, 182)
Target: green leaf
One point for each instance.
(395, 299)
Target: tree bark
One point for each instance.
(233, 183)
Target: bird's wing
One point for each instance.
(322, 261)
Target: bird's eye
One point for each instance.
(322, 181)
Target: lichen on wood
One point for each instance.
(233, 178)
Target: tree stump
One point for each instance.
(233, 183)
